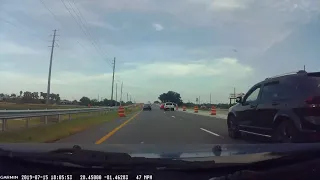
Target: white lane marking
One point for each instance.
(210, 132)
(142, 142)
(173, 116)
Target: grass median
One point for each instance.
(58, 131)
(16, 106)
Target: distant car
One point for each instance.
(169, 106)
(147, 107)
(162, 106)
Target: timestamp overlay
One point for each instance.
(79, 177)
(118, 177)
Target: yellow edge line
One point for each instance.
(104, 138)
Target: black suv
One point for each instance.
(283, 108)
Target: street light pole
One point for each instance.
(116, 94)
(114, 66)
(121, 93)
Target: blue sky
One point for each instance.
(194, 47)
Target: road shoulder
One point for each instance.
(92, 134)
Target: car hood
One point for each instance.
(201, 152)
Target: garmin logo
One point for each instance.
(8, 177)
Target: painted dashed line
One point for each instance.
(210, 132)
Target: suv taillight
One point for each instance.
(313, 100)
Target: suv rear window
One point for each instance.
(311, 86)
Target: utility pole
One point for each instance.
(121, 93)
(114, 67)
(199, 100)
(234, 91)
(304, 67)
(116, 93)
(210, 99)
(127, 97)
(130, 98)
(50, 65)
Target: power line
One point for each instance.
(55, 17)
(84, 22)
(60, 22)
(80, 16)
(22, 29)
(82, 26)
(62, 25)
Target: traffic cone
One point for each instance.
(184, 108)
(196, 109)
(213, 111)
(121, 112)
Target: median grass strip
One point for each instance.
(57, 131)
(14, 106)
(14, 124)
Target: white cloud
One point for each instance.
(102, 25)
(157, 26)
(227, 5)
(7, 47)
(202, 68)
(146, 81)
(277, 39)
(246, 25)
(201, 76)
(223, 5)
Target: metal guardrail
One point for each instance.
(26, 115)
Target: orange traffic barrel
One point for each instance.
(213, 111)
(196, 109)
(184, 108)
(121, 112)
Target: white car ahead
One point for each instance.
(169, 106)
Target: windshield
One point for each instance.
(159, 72)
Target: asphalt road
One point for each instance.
(158, 127)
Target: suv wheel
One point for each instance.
(233, 128)
(285, 132)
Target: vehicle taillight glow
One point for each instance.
(313, 101)
(309, 100)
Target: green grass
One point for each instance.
(17, 124)
(14, 106)
(57, 131)
(37, 121)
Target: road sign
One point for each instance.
(232, 95)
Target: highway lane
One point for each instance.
(158, 127)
